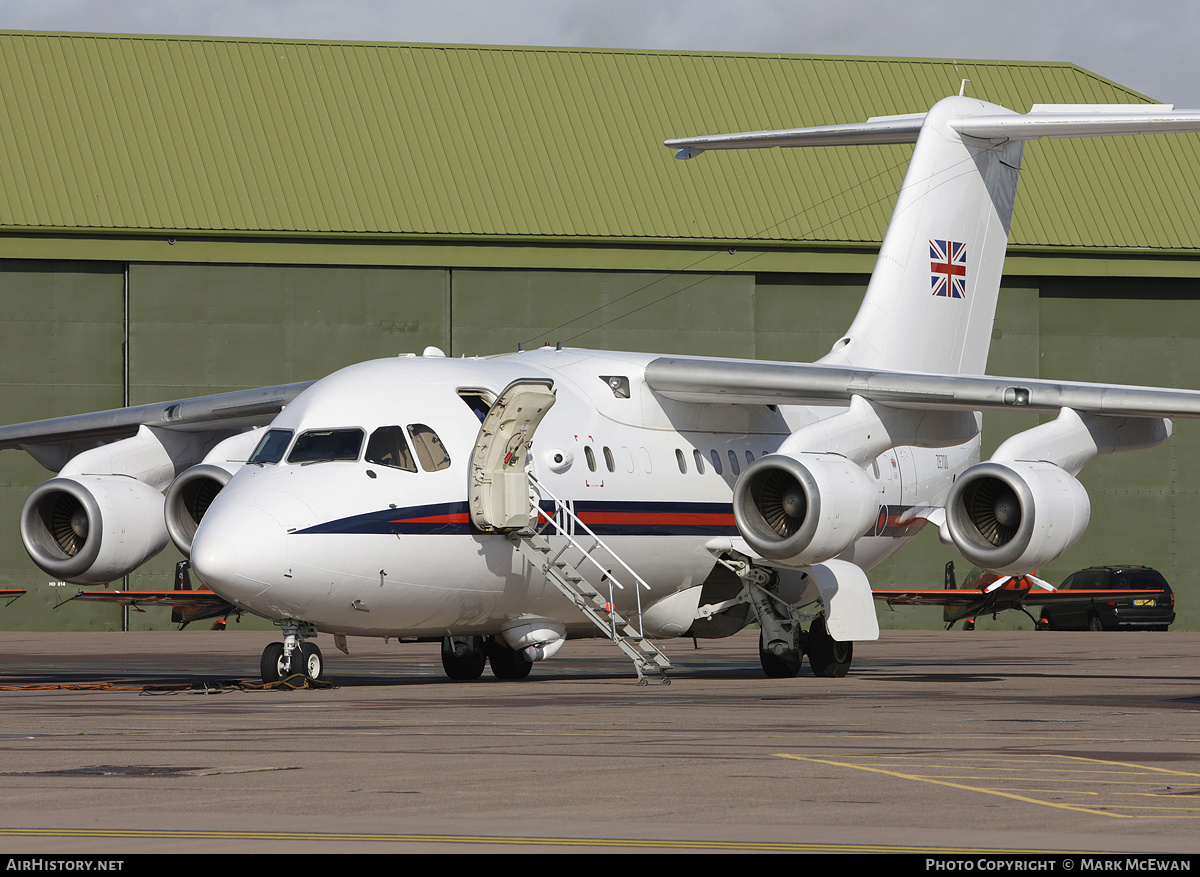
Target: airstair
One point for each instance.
(562, 525)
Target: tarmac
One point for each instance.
(950, 742)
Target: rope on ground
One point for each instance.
(292, 683)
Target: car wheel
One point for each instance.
(1094, 622)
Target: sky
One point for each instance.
(1148, 46)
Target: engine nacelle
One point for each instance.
(1016, 517)
(188, 499)
(92, 529)
(804, 509)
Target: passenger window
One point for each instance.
(699, 458)
(387, 447)
(590, 457)
(429, 448)
(327, 445)
(272, 446)
(681, 460)
(749, 457)
(716, 458)
(608, 460)
(733, 463)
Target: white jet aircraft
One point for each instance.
(507, 503)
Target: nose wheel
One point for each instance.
(292, 659)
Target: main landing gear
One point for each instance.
(827, 657)
(463, 658)
(782, 640)
(294, 658)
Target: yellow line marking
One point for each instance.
(966, 788)
(1149, 767)
(192, 834)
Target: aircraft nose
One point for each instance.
(239, 551)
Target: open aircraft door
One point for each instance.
(499, 485)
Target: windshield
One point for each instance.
(324, 445)
(272, 446)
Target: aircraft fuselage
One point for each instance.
(361, 547)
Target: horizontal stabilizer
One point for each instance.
(878, 131)
(1046, 120)
(1043, 120)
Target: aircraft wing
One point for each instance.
(1005, 598)
(233, 411)
(199, 599)
(747, 382)
(11, 594)
(189, 606)
(970, 597)
(1059, 598)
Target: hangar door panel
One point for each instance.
(701, 314)
(207, 328)
(61, 330)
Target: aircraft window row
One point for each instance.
(698, 458)
(387, 447)
(610, 462)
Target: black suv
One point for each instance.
(1150, 613)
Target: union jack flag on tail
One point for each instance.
(948, 267)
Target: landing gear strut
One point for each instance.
(780, 640)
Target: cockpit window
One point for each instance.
(429, 447)
(323, 445)
(387, 447)
(270, 449)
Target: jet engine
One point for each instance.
(188, 499)
(1016, 517)
(92, 529)
(804, 509)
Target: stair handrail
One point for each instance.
(561, 505)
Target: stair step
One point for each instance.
(591, 603)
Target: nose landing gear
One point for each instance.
(294, 658)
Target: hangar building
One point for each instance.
(184, 216)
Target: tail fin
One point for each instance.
(932, 297)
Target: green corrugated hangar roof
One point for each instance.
(144, 134)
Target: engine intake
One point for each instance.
(92, 529)
(1016, 517)
(188, 499)
(804, 509)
